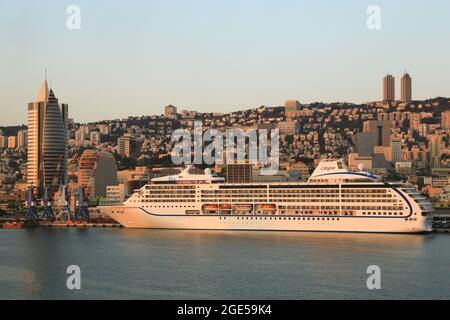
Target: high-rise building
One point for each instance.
(406, 88)
(380, 132)
(396, 149)
(445, 120)
(291, 107)
(21, 138)
(127, 146)
(95, 138)
(79, 137)
(3, 141)
(434, 148)
(171, 112)
(365, 143)
(389, 88)
(86, 130)
(12, 142)
(47, 141)
(96, 171)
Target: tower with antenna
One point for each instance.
(47, 160)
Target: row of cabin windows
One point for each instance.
(283, 218)
(384, 213)
(169, 206)
(177, 187)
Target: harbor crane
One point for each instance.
(31, 205)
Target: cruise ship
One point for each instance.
(332, 200)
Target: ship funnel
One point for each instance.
(327, 166)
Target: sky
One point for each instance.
(133, 57)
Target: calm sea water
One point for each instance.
(154, 264)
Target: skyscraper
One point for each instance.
(406, 87)
(47, 141)
(435, 151)
(389, 88)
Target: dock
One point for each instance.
(441, 230)
(78, 225)
(17, 224)
(441, 221)
(13, 223)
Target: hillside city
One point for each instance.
(401, 140)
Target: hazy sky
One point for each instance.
(134, 57)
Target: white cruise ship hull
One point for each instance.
(135, 217)
(333, 200)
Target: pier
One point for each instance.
(10, 223)
(78, 225)
(441, 221)
(64, 219)
(14, 223)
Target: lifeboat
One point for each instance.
(225, 207)
(210, 206)
(248, 207)
(268, 207)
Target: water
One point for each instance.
(157, 264)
